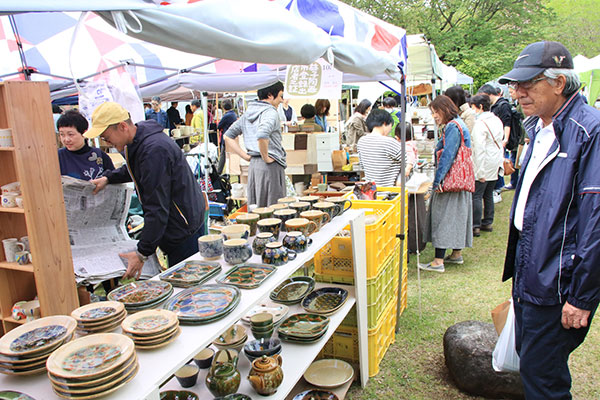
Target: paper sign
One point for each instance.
(317, 80)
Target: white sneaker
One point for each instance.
(430, 267)
(497, 197)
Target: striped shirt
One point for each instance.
(381, 158)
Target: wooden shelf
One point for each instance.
(12, 210)
(7, 149)
(16, 267)
(14, 321)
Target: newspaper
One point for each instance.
(97, 231)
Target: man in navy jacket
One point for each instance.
(172, 201)
(553, 253)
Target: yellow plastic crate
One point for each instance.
(380, 290)
(396, 202)
(343, 343)
(335, 258)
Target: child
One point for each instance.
(411, 147)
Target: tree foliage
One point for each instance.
(576, 25)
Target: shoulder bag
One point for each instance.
(460, 177)
(507, 165)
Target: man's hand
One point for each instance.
(573, 317)
(247, 157)
(482, 180)
(100, 183)
(269, 160)
(134, 265)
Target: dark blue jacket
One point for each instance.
(449, 143)
(559, 258)
(86, 163)
(228, 118)
(171, 198)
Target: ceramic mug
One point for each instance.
(249, 219)
(14, 187)
(263, 212)
(341, 202)
(303, 225)
(9, 200)
(296, 241)
(286, 200)
(176, 133)
(19, 201)
(22, 257)
(236, 251)
(272, 225)
(285, 215)
(260, 241)
(210, 246)
(26, 310)
(236, 231)
(276, 207)
(276, 254)
(331, 209)
(300, 206)
(25, 241)
(309, 199)
(6, 138)
(11, 247)
(318, 217)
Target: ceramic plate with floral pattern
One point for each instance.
(98, 312)
(247, 276)
(37, 336)
(190, 273)
(139, 293)
(204, 304)
(149, 322)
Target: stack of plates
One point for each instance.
(92, 366)
(25, 349)
(141, 295)
(303, 328)
(151, 329)
(190, 273)
(293, 290)
(103, 316)
(316, 394)
(204, 304)
(325, 301)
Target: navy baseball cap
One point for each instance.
(536, 58)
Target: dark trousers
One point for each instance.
(441, 253)
(514, 177)
(186, 248)
(483, 203)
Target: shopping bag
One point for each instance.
(499, 315)
(505, 357)
(461, 176)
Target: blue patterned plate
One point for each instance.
(37, 336)
(204, 304)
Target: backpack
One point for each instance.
(516, 129)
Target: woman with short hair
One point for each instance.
(356, 126)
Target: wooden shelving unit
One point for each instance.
(25, 109)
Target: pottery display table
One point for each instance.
(157, 366)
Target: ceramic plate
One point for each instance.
(96, 387)
(145, 339)
(98, 312)
(189, 273)
(279, 311)
(139, 293)
(329, 373)
(304, 325)
(247, 276)
(106, 321)
(156, 304)
(93, 395)
(293, 290)
(10, 395)
(325, 300)
(37, 336)
(75, 383)
(28, 371)
(234, 334)
(316, 394)
(161, 343)
(205, 303)
(234, 396)
(149, 322)
(306, 340)
(90, 356)
(99, 329)
(178, 395)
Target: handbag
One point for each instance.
(460, 177)
(507, 165)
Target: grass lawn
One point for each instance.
(414, 367)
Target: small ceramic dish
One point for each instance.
(279, 311)
(316, 394)
(329, 373)
(262, 347)
(178, 395)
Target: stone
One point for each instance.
(468, 348)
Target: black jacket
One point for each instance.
(171, 198)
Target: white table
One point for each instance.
(157, 366)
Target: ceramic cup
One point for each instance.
(286, 200)
(309, 199)
(236, 231)
(176, 133)
(341, 202)
(331, 209)
(11, 247)
(260, 241)
(22, 257)
(249, 219)
(276, 254)
(14, 187)
(322, 187)
(296, 241)
(26, 310)
(204, 358)
(300, 206)
(25, 241)
(276, 207)
(9, 200)
(318, 217)
(303, 225)
(6, 138)
(285, 215)
(187, 375)
(263, 319)
(263, 212)
(236, 251)
(19, 201)
(272, 225)
(210, 246)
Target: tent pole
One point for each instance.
(26, 72)
(205, 128)
(402, 235)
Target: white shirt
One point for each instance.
(543, 141)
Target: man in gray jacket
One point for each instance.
(264, 150)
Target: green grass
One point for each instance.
(414, 367)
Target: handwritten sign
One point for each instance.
(317, 80)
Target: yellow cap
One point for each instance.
(104, 115)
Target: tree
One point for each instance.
(577, 25)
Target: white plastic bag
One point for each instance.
(505, 357)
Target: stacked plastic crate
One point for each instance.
(385, 257)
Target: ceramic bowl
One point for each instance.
(263, 212)
(285, 215)
(260, 241)
(249, 219)
(187, 375)
(309, 199)
(178, 395)
(262, 347)
(210, 246)
(303, 225)
(286, 200)
(300, 206)
(261, 319)
(251, 358)
(296, 241)
(236, 251)
(329, 373)
(261, 334)
(279, 206)
(276, 254)
(204, 358)
(272, 225)
(236, 231)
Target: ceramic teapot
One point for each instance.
(223, 378)
(266, 374)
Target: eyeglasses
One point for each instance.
(525, 85)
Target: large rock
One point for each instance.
(468, 348)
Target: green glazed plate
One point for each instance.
(247, 276)
(293, 290)
(140, 293)
(304, 325)
(190, 273)
(10, 395)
